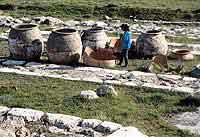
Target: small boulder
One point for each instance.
(106, 90)
(89, 94)
(63, 121)
(29, 114)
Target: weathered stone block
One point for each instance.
(108, 127)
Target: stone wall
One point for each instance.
(20, 122)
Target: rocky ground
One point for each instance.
(99, 75)
(189, 29)
(172, 83)
(19, 122)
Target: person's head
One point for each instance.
(125, 27)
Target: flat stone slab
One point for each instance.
(29, 114)
(127, 132)
(165, 82)
(63, 121)
(188, 121)
(13, 63)
(35, 65)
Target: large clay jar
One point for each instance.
(64, 46)
(151, 43)
(94, 38)
(25, 42)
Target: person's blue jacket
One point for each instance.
(126, 40)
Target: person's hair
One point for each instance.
(125, 27)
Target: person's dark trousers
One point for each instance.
(124, 55)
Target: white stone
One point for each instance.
(58, 67)
(183, 89)
(35, 65)
(18, 21)
(3, 110)
(90, 123)
(29, 114)
(25, 20)
(55, 130)
(174, 77)
(100, 24)
(189, 79)
(88, 94)
(88, 23)
(108, 127)
(127, 132)
(153, 86)
(13, 63)
(4, 38)
(63, 121)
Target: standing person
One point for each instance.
(125, 44)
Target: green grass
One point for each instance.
(142, 108)
(154, 9)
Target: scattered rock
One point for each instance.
(89, 23)
(25, 20)
(196, 71)
(90, 123)
(107, 17)
(13, 63)
(127, 132)
(106, 90)
(72, 23)
(108, 127)
(89, 94)
(29, 114)
(18, 21)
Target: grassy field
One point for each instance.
(144, 109)
(141, 9)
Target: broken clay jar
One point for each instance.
(64, 46)
(25, 42)
(151, 43)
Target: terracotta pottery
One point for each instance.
(183, 54)
(151, 43)
(64, 46)
(94, 38)
(99, 58)
(25, 42)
